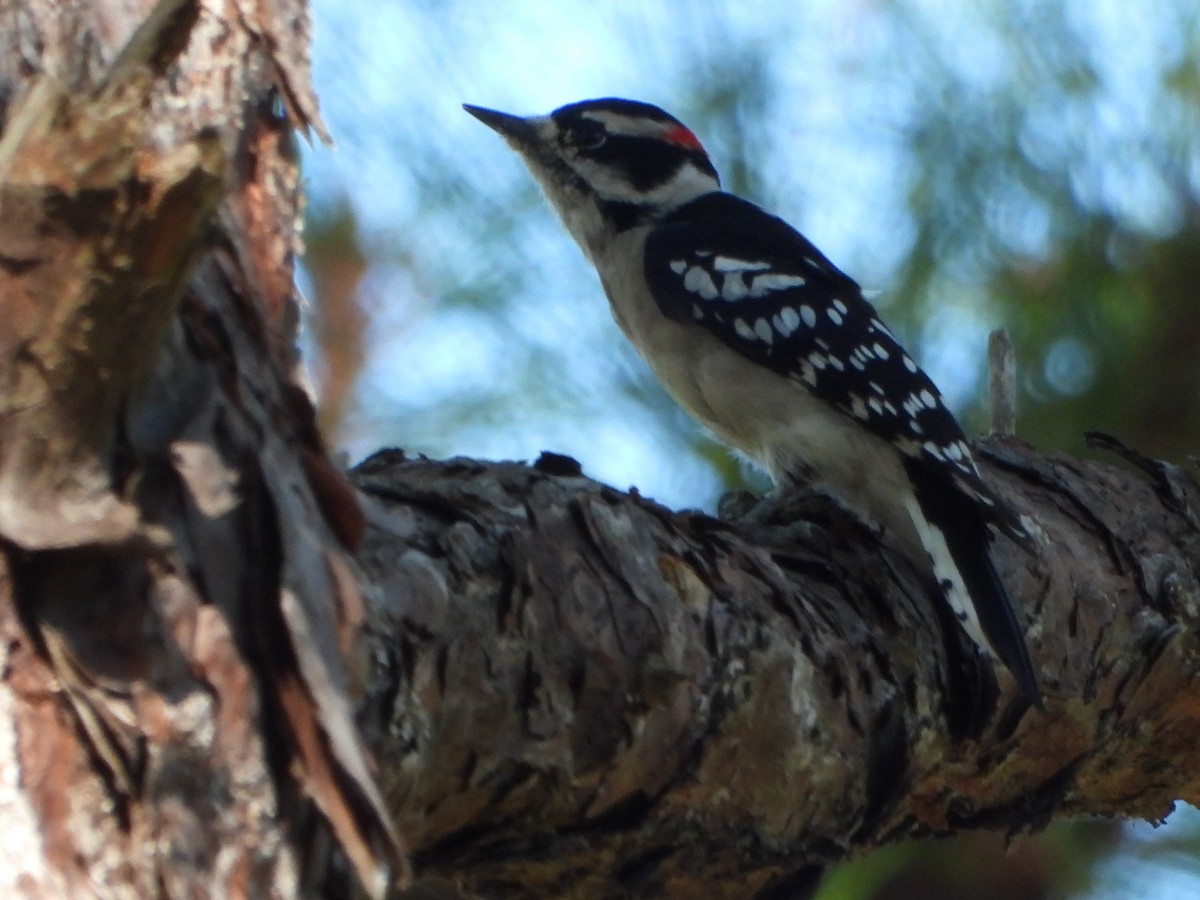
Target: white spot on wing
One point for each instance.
(773, 281)
(882, 329)
(928, 400)
(763, 329)
(740, 326)
(840, 307)
(834, 316)
(789, 320)
(678, 265)
(700, 282)
(880, 351)
(732, 264)
(733, 288)
(909, 364)
(809, 315)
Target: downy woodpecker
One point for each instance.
(767, 343)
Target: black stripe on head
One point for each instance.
(632, 108)
(626, 215)
(646, 160)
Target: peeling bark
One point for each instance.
(179, 601)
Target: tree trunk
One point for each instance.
(548, 687)
(180, 605)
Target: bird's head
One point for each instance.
(608, 165)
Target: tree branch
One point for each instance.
(580, 693)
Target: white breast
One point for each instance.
(773, 419)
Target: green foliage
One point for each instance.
(1065, 187)
(1058, 863)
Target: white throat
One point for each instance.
(592, 230)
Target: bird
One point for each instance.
(765, 342)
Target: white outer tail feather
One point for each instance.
(945, 570)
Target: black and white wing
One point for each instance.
(763, 289)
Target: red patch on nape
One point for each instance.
(678, 134)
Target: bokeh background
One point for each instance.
(1031, 165)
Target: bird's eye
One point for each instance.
(588, 135)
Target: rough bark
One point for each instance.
(567, 690)
(178, 603)
(583, 694)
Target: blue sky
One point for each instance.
(531, 57)
(831, 146)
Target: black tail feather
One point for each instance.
(962, 521)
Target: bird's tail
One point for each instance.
(954, 531)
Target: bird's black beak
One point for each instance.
(514, 128)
